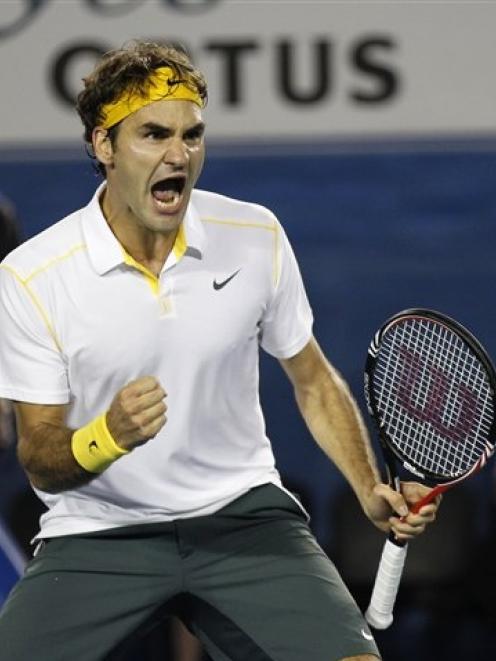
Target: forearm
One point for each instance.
(57, 458)
(336, 424)
(46, 455)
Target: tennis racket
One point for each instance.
(430, 389)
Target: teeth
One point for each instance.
(171, 200)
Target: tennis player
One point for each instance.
(129, 341)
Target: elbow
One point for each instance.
(41, 484)
(25, 456)
(48, 484)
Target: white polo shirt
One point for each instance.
(79, 319)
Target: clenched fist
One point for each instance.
(137, 412)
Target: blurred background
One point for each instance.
(369, 128)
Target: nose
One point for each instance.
(176, 153)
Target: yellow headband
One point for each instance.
(162, 84)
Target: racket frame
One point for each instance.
(391, 453)
(380, 611)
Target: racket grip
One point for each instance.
(379, 614)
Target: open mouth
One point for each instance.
(167, 192)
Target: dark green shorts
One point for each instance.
(250, 581)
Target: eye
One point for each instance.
(154, 134)
(194, 136)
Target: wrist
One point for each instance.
(94, 447)
(367, 495)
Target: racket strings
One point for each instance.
(433, 396)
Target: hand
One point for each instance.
(137, 412)
(389, 510)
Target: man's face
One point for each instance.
(153, 165)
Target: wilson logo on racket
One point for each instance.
(440, 400)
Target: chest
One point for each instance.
(119, 327)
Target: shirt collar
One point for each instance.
(105, 251)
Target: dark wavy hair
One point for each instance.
(128, 69)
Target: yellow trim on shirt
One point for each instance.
(180, 244)
(37, 303)
(179, 248)
(34, 298)
(150, 277)
(277, 256)
(52, 262)
(237, 223)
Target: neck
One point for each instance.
(149, 248)
(151, 251)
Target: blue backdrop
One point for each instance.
(375, 231)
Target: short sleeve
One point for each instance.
(287, 323)
(32, 367)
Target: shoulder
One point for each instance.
(54, 243)
(222, 210)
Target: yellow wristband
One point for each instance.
(93, 446)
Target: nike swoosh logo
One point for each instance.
(219, 285)
(366, 635)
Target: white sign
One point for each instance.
(276, 69)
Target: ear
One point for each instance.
(102, 146)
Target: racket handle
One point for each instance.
(379, 614)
